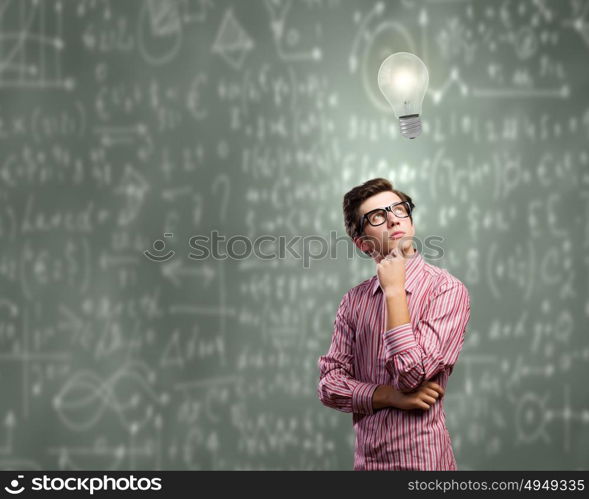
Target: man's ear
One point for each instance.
(363, 245)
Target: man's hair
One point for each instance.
(355, 197)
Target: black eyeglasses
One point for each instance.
(379, 215)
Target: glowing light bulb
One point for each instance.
(403, 80)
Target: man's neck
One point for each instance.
(410, 252)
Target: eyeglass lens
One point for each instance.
(378, 217)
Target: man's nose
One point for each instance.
(392, 218)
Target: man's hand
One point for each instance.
(391, 272)
(422, 398)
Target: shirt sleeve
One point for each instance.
(337, 387)
(442, 327)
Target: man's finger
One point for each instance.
(428, 400)
(432, 393)
(436, 387)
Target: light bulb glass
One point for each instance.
(403, 80)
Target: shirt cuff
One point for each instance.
(362, 397)
(399, 339)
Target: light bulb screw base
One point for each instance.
(410, 125)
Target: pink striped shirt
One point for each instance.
(363, 355)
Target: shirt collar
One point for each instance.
(413, 269)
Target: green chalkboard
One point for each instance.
(173, 247)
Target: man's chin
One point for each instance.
(406, 247)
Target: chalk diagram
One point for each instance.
(527, 32)
(160, 27)
(31, 45)
(287, 39)
(579, 21)
(129, 392)
(133, 188)
(232, 42)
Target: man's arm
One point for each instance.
(422, 398)
(339, 389)
(441, 329)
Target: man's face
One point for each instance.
(381, 239)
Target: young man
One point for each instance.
(396, 339)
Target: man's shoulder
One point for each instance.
(361, 289)
(443, 280)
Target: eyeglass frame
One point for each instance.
(388, 208)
